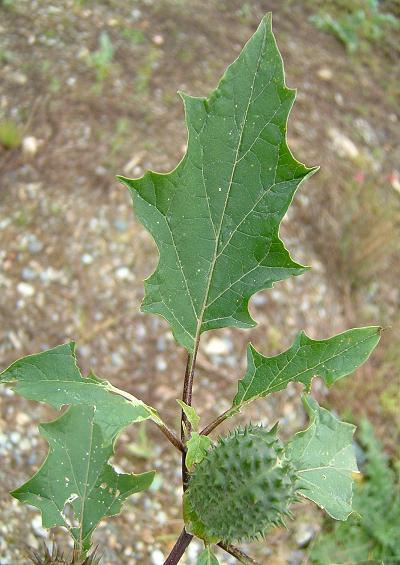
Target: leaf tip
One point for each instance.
(267, 20)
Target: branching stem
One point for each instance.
(221, 418)
(187, 399)
(239, 554)
(172, 437)
(179, 548)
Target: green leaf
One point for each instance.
(331, 359)
(215, 218)
(76, 479)
(54, 378)
(324, 457)
(190, 414)
(207, 557)
(197, 447)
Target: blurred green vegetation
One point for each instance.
(372, 534)
(10, 134)
(101, 59)
(357, 24)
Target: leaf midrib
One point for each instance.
(218, 234)
(270, 386)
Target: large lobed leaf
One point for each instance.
(76, 476)
(215, 218)
(331, 359)
(324, 457)
(76, 472)
(53, 377)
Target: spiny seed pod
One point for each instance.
(243, 487)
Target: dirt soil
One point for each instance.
(73, 258)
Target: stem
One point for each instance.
(179, 548)
(238, 553)
(184, 539)
(208, 429)
(172, 437)
(187, 399)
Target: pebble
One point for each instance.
(158, 39)
(18, 78)
(259, 299)
(218, 346)
(37, 527)
(157, 557)
(120, 225)
(394, 180)
(343, 145)
(304, 534)
(296, 558)
(87, 259)
(161, 364)
(30, 145)
(51, 275)
(325, 74)
(15, 437)
(25, 289)
(22, 419)
(136, 14)
(34, 244)
(117, 360)
(366, 131)
(123, 274)
(28, 274)
(193, 551)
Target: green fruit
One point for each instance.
(244, 486)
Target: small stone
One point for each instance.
(121, 225)
(366, 131)
(158, 39)
(218, 346)
(140, 331)
(394, 179)
(37, 527)
(343, 146)
(161, 364)
(15, 437)
(136, 14)
(259, 299)
(304, 534)
(100, 171)
(193, 551)
(123, 273)
(30, 145)
(87, 259)
(25, 445)
(18, 78)
(25, 289)
(51, 275)
(34, 244)
(28, 274)
(296, 557)
(85, 351)
(22, 419)
(83, 52)
(117, 360)
(325, 73)
(339, 99)
(157, 557)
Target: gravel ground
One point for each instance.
(73, 258)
